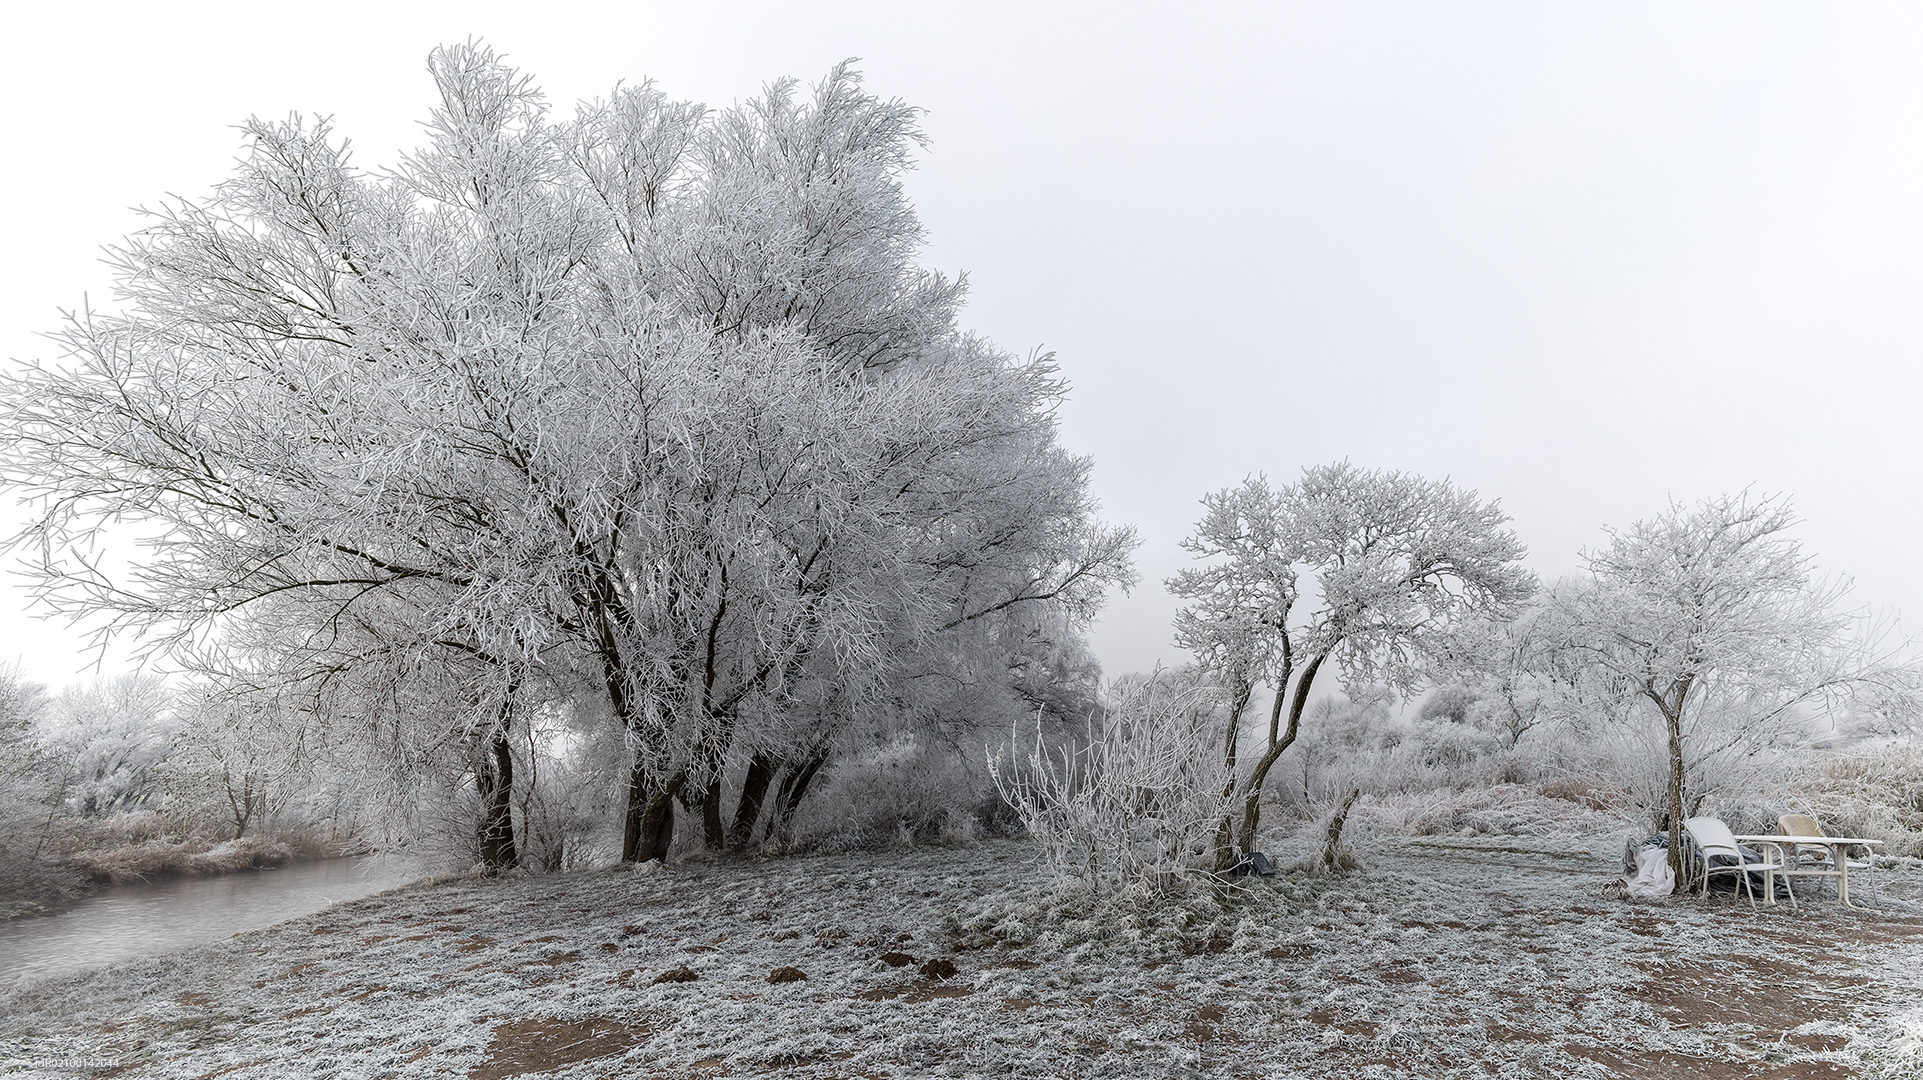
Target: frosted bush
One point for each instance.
(903, 793)
(1137, 809)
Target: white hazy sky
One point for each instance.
(1582, 258)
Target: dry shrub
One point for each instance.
(902, 794)
(1876, 794)
(71, 855)
(1137, 809)
(1586, 791)
(1505, 810)
(111, 851)
(31, 884)
(120, 830)
(183, 858)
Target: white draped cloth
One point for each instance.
(1652, 876)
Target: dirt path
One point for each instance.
(1441, 958)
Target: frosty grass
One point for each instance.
(1443, 956)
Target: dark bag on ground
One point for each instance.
(1729, 883)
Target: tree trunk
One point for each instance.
(1252, 788)
(794, 787)
(711, 832)
(648, 830)
(1330, 859)
(239, 806)
(1674, 721)
(754, 789)
(1225, 834)
(527, 804)
(659, 824)
(494, 780)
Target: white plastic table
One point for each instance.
(1837, 845)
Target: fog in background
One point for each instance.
(1582, 259)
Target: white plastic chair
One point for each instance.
(1712, 838)
(1817, 858)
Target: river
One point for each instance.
(130, 921)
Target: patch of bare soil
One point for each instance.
(1760, 991)
(544, 1045)
(914, 993)
(1686, 1067)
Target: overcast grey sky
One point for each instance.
(1584, 259)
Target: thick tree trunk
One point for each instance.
(1252, 788)
(711, 832)
(659, 826)
(648, 830)
(754, 789)
(494, 780)
(794, 788)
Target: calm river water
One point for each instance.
(141, 920)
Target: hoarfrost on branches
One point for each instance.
(1396, 560)
(1708, 621)
(1134, 809)
(651, 401)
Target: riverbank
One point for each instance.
(1443, 956)
(195, 856)
(78, 857)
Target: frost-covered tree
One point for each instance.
(25, 783)
(236, 759)
(654, 395)
(1512, 673)
(105, 743)
(1709, 619)
(1396, 562)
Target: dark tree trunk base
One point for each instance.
(754, 789)
(494, 779)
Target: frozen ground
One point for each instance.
(1444, 956)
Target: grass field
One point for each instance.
(1442, 956)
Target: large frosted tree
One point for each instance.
(655, 394)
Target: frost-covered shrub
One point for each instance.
(27, 794)
(905, 792)
(236, 764)
(1451, 704)
(1500, 810)
(564, 816)
(1873, 792)
(1344, 743)
(1357, 741)
(1453, 749)
(1138, 808)
(1584, 789)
